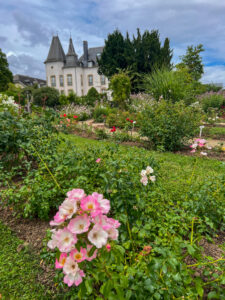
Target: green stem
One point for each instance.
(209, 262)
(53, 177)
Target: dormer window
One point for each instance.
(90, 64)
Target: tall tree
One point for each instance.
(193, 61)
(166, 54)
(138, 56)
(113, 55)
(6, 75)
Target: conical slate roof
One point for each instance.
(71, 56)
(56, 52)
(71, 50)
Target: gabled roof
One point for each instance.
(28, 81)
(92, 54)
(56, 52)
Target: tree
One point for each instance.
(113, 55)
(6, 75)
(138, 56)
(193, 61)
(92, 96)
(121, 88)
(46, 96)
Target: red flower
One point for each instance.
(131, 121)
(127, 119)
(75, 117)
(64, 115)
(114, 129)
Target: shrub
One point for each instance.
(212, 101)
(92, 96)
(169, 85)
(121, 88)
(119, 119)
(169, 126)
(100, 113)
(51, 95)
(7, 103)
(63, 100)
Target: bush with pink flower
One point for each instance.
(199, 145)
(83, 229)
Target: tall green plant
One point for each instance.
(121, 88)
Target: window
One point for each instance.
(98, 55)
(61, 83)
(53, 82)
(90, 80)
(69, 79)
(103, 91)
(102, 79)
(90, 64)
(81, 80)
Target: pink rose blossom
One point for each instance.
(193, 151)
(79, 224)
(98, 160)
(78, 256)
(76, 194)
(108, 247)
(76, 278)
(67, 208)
(97, 236)
(70, 266)
(60, 263)
(90, 204)
(66, 240)
(57, 220)
(113, 233)
(104, 203)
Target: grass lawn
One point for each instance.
(215, 132)
(19, 270)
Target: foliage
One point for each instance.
(139, 55)
(169, 126)
(212, 101)
(100, 113)
(18, 134)
(101, 134)
(8, 104)
(83, 112)
(63, 100)
(119, 118)
(193, 61)
(214, 132)
(51, 96)
(121, 88)
(161, 223)
(6, 75)
(92, 96)
(169, 85)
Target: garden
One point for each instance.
(113, 198)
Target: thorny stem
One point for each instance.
(207, 263)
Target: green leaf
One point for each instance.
(213, 295)
(88, 284)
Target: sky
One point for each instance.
(27, 27)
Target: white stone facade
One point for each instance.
(78, 78)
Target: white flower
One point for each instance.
(97, 236)
(143, 173)
(144, 180)
(68, 208)
(202, 126)
(149, 170)
(209, 147)
(152, 178)
(203, 153)
(70, 266)
(134, 122)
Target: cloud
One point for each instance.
(26, 65)
(214, 74)
(31, 31)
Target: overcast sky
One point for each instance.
(27, 27)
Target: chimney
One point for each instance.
(85, 47)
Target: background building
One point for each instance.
(24, 81)
(67, 73)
